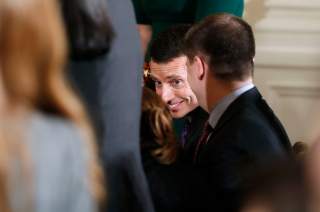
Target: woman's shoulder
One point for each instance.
(55, 139)
(50, 127)
(60, 164)
(41, 121)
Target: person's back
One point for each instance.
(156, 16)
(48, 158)
(60, 164)
(108, 82)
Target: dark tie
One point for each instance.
(185, 132)
(202, 141)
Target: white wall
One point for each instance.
(288, 61)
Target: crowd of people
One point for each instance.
(82, 130)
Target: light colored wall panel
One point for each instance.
(287, 62)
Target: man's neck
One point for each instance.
(220, 89)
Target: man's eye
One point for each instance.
(157, 83)
(176, 83)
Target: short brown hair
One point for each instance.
(227, 42)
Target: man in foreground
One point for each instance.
(242, 132)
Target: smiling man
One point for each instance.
(171, 84)
(169, 73)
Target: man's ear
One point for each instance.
(202, 67)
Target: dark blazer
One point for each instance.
(194, 122)
(111, 88)
(247, 136)
(174, 187)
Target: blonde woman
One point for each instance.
(47, 155)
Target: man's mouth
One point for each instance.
(175, 105)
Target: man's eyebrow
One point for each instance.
(174, 76)
(154, 78)
(170, 77)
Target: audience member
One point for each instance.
(156, 132)
(109, 80)
(48, 161)
(168, 71)
(277, 188)
(157, 15)
(312, 161)
(171, 184)
(242, 132)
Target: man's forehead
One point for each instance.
(176, 66)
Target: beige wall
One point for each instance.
(288, 61)
(255, 10)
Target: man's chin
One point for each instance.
(178, 114)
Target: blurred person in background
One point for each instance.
(312, 161)
(105, 64)
(48, 159)
(154, 16)
(280, 187)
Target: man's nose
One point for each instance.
(166, 94)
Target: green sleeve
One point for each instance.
(141, 15)
(208, 7)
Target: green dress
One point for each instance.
(161, 14)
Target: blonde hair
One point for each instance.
(32, 57)
(156, 125)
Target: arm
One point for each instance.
(145, 32)
(144, 24)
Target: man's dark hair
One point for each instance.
(226, 42)
(169, 44)
(88, 27)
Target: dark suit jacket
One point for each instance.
(111, 88)
(173, 187)
(195, 121)
(247, 136)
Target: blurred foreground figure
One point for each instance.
(47, 155)
(313, 175)
(277, 188)
(108, 77)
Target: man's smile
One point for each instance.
(174, 106)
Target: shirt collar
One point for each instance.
(224, 103)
